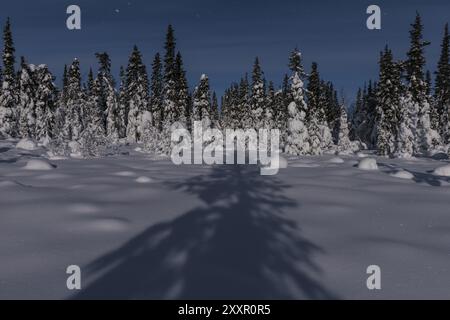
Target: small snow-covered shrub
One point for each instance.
(58, 148)
(368, 164)
(94, 144)
(26, 144)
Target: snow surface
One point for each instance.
(222, 231)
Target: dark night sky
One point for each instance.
(221, 38)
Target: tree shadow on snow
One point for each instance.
(237, 245)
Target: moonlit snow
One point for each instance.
(141, 227)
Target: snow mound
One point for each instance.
(402, 174)
(304, 165)
(75, 150)
(144, 179)
(361, 155)
(336, 160)
(26, 144)
(107, 225)
(38, 165)
(368, 164)
(282, 162)
(7, 184)
(443, 171)
(124, 173)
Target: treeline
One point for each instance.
(400, 115)
(403, 114)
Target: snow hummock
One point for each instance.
(368, 164)
(336, 160)
(361, 155)
(35, 164)
(26, 144)
(443, 171)
(282, 162)
(144, 179)
(402, 174)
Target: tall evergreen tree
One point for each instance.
(388, 100)
(215, 110)
(27, 109)
(46, 104)
(319, 132)
(426, 136)
(257, 103)
(242, 113)
(123, 104)
(343, 142)
(202, 101)
(137, 93)
(183, 111)
(297, 136)
(295, 63)
(156, 88)
(170, 81)
(73, 125)
(8, 98)
(442, 88)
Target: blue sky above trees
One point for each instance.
(221, 38)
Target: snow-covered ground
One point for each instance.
(141, 227)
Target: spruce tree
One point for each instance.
(258, 96)
(297, 137)
(202, 102)
(170, 81)
(123, 104)
(137, 93)
(344, 144)
(183, 111)
(388, 100)
(73, 125)
(270, 107)
(27, 108)
(8, 98)
(442, 88)
(90, 81)
(295, 63)
(407, 126)
(242, 113)
(156, 89)
(215, 111)
(426, 136)
(46, 104)
(319, 132)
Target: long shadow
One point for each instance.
(237, 245)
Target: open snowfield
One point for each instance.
(141, 227)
